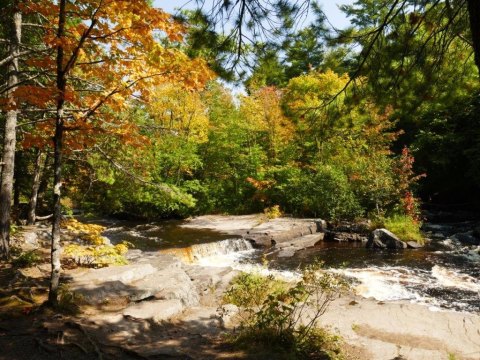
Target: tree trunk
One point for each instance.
(9, 142)
(57, 166)
(474, 14)
(40, 162)
(17, 173)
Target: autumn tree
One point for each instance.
(106, 52)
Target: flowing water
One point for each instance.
(443, 275)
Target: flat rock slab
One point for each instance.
(125, 274)
(161, 277)
(233, 224)
(257, 228)
(303, 242)
(409, 331)
(158, 310)
(169, 284)
(281, 230)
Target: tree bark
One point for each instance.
(40, 162)
(9, 142)
(474, 14)
(57, 166)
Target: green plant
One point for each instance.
(27, 259)
(287, 320)
(68, 301)
(405, 227)
(273, 212)
(250, 290)
(97, 255)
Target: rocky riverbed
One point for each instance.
(168, 303)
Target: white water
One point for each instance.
(383, 283)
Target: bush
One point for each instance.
(286, 322)
(27, 259)
(93, 250)
(406, 228)
(251, 290)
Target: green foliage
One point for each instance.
(276, 325)
(68, 301)
(249, 290)
(323, 192)
(273, 212)
(406, 228)
(26, 259)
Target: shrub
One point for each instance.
(68, 301)
(93, 250)
(405, 227)
(98, 256)
(273, 212)
(287, 320)
(251, 290)
(27, 259)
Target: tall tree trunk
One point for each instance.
(474, 14)
(17, 173)
(57, 166)
(9, 141)
(40, 162)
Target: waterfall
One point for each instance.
(196, 252)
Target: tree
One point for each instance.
(14, 30)
(107, 52)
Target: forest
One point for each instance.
(119, 109)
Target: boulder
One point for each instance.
(384, 239)
(414, 245)
(321, 225)
(31, 239)
(228, 314)
(288, 252)
(157, 311)
(344, 236)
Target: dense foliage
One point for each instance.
(322, 129)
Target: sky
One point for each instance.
(330, 7)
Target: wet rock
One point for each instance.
(414, 245)
(384, 239)
(321, 225)
(360, 227)
(344, 236)
(288, 251)
(156, 311)
(467, 238)
(303, 242)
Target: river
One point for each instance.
(444, 275)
